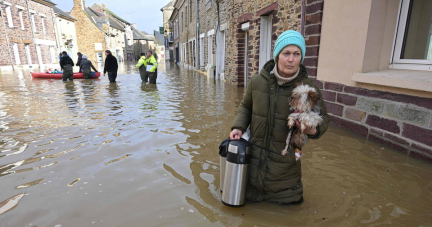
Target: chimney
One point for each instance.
(134, 25)
(83, 4)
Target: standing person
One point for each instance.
(85, 67)
(265, 109)
(142, 66)
(111, 66)
(66, 65)
(151, 67)
(79, 59)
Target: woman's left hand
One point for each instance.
(308, 130)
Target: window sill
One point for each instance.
(407, 79)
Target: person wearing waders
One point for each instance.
(151, 67)
(111, 66)
(142, 65)
(80, 57)
(66, 65)
(85, 67)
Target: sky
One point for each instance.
(145, 13)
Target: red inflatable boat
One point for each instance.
(59, 75)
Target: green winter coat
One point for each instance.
(265, 110)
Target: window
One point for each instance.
(20, 14)
(190, 10)
(27, 50)
(9, 15)
(52, 54)
(265, 40)
(33, 23)
(16, 53)
(413, 42)
(43, 25)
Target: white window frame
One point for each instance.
(396, 62)
(43, 24)
(27, 49)
(20, 13)
(266, 28)
(16, 53)
(8, 12)
(52, 54)
(33, 22)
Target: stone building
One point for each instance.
(142, 42)
(128, 39)
(27, 35)
(168, 31)
(66, 33)
(91, 37)
(187, 32)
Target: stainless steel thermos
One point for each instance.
(223, 150)
(235, 177)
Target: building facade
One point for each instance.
(27, 37)
(124, 26)
(168, 31)
(66, 33)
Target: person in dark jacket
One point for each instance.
(85, 67)
(79, 59)
(265, 110)
(66, 65)
(111, 66)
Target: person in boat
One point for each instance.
(66, 65)
(85, 67)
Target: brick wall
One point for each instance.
(16, 34)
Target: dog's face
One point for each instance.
(303, 98)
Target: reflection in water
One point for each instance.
(134, 153)
(70, 95)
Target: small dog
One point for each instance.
(304, 103)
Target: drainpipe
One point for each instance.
(33, 34)
(196, 36)
(303, 19)
(7, 37)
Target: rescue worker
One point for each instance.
(85, 67)
(142, 65)
(151, 67)
(66, 65)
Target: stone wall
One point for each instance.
(87, 32)
(399, 121)
(286, 15)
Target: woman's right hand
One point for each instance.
(236, 134)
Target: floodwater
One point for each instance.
(90, 153)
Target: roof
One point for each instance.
(171, 3)
(111, 13)
(63, 14)
(139, 35)
(100, 19)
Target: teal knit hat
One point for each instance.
(289, 37)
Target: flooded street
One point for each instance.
(91, 153)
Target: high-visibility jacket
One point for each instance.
(142, 61)
(152, 61)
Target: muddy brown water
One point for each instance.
(90, 153)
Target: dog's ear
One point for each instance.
(314, 97)
(297, 84)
